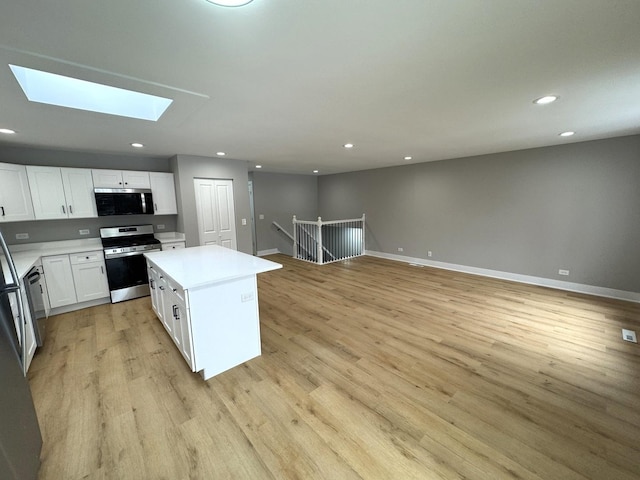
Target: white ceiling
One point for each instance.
(285, 83)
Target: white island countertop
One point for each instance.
(200, 266)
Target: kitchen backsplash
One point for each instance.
(56, 230)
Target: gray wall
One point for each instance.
(53, 230)
(278, 197)
(188, 167)
(75, 159)
(530, 212)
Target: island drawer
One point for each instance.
(175, 288)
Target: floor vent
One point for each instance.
(629, 336)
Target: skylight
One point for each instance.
(53, 89)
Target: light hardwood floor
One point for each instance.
(370, 369)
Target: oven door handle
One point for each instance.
(128, 254)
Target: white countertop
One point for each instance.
(27, 255)
(169, 237)
(199, 266)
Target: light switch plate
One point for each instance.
(84, 231)
(22, 236)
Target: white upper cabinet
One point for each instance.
(163, 190)
(120, 179)
(78, 190)
(61, 192)
(15, 197)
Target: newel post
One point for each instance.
(295, 238)
(319, 254)
(363, 242)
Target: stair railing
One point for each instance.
(328, 241)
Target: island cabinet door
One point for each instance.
(164, 306)
(154, 290)
(182, 328)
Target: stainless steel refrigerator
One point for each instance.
(20, 438)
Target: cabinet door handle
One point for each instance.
(161, 287)
(2, 211)
(64, 210)
(175, 312)
(41, 291)
(70, 209)
(151, 284)
(102, 269)
(155, 205)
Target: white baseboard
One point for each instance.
(515, 277)
(271, 251)
(79, 306)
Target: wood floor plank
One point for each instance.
(370, 369)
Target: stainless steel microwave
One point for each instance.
(123, 201)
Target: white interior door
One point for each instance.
(215, 211)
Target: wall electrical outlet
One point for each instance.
(429, 253)
(246, 297)
(400, 249)
(244, 221)
(160, 226)
(84, 231)
(629, 336)
(261, 216)
(563, 272)
(22, 236)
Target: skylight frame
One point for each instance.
(54, 89)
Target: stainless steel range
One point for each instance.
(126, 265)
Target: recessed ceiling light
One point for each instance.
(137, 145)
(220, 154)
(348, 145)
(61, 91)
(408, 158)
(546, 99)
(258, 166)
(567, 134)
(315, 171)
(7, 131)
(230, 3)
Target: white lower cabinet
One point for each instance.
(214, 325)
(164, 305)
(170, 305)
(24, 322)
(89, 275)
(30, 335)
(154, 291)
(75, 278)
(60, 287)
(176, 310)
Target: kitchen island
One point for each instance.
(207, 299)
